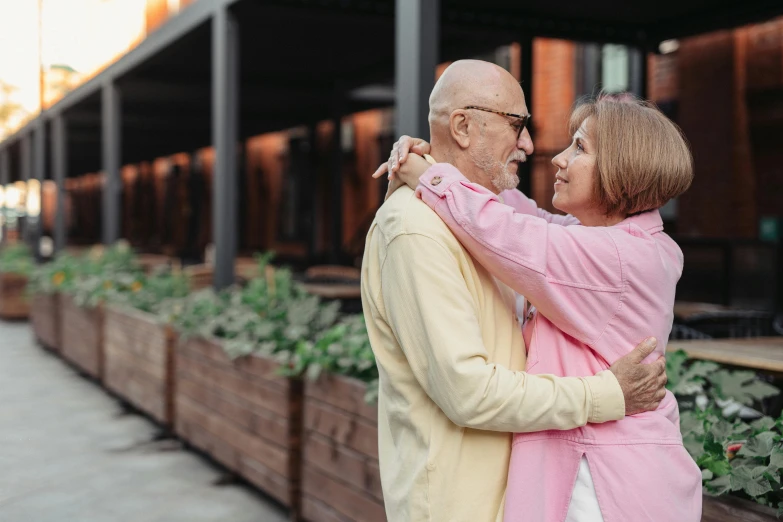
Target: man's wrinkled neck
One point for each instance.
(464, 163)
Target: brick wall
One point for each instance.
(554, 88)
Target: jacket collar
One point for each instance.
(650, 221)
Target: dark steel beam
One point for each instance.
(526, 80)
(416, 56)
(225, 130)
(60, 168)
(39, 173)
(111, 142)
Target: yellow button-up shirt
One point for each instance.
(450, 355)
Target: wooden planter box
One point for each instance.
(732, 509)
(242, 414)
(45, 316)
(13, 301)
(340, 476)
(138, 361)
(81, 334)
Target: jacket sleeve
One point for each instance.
(573, 275)
(525, 205)
(431, 313)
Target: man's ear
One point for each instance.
(459, 127)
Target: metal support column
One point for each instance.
(5, 179)
(336, 232)
(39, 173)
(637, 71)
(526, 80)
(26, 165)
(225, 130)
(416, 56)
(60, 171)
(111, 127)
(311, 200)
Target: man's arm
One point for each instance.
(430, 311)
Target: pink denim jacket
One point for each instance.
(598, 291)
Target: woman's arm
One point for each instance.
(517, 200)
(573, 275)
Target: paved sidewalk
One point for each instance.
(68, 453)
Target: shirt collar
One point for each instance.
(650, 221)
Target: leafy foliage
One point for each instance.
(16, 259)
(343, 349)
(736, 457)
(78, 274)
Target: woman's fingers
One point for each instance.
(382, 169)
(403, 147)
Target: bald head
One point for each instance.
(487, 148)
(473, 82)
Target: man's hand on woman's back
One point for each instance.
(643, 385)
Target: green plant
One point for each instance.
(16, 259)
(343, 349)
(54, 276)
(736, 457)
(268, 316)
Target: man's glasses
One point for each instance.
(522, 119)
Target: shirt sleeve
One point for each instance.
(525, 205)
(572, 274)
(432, 315)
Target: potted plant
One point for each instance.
(16, 263)
(340, 474)
(739, 450)
(231, 400)
(102, 272)
(43, 289)
(138, 343)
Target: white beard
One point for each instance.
(499, 174)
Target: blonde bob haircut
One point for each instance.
(642, 158)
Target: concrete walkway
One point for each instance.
(69, 453)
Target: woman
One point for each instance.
(594, 282)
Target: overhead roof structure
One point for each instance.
(230, 69)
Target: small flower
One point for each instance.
(58, 278)
(732, 449)
(136, 286)
(107, 285)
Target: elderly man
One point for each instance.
(448, 347)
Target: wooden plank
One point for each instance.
(344, 393)
(146, 339)
(342, 463)
(274, 457)
(314, 510)
(254, 366)
(345, 429)
(45, 314)
(728, 509)
(13, 297)
(115, 353)
(245, 415)
(265, 479)
(82, 336)
(354, 505)
(759, 353)
(686, 310)
(142, 394)
(259, 393)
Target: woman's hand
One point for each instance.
(410, 171)
(399, 155)
(408, 174)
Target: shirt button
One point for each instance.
(436, 181)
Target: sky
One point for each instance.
(84, 34)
